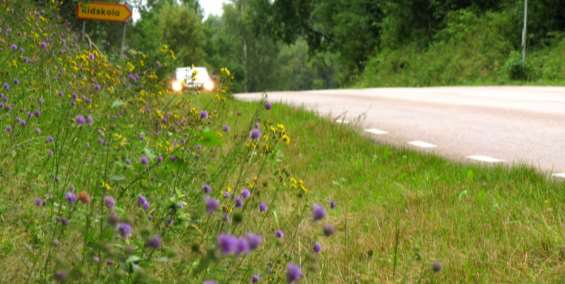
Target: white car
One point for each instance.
(192, 78)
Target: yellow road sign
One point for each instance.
(103, 11)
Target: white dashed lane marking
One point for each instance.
(559, 175)
(485, 159)
(422, 144)
(376, 131)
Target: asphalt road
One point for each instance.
(481, 124)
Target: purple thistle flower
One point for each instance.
(253, 240)
(242, 246)
(154, 242)
(71, 197)
(227, 194)
(144, 160)
(109, 202)
(293, 273)
(255, 278)
(125, 230)
(211, 205)
(226, 128)
(91, 56)
(39, 202)
(173, 158)
(318, 212)
(97, 87)
(206, 188)
(203, 114)
(43, 45)
(80, 120)
(50, 139)
(227, 243)
(279, 234)
(317, 248)
(263, 207)
(255, 134)
(16, 81)
(8, 129)
(6, 86)
(238, 202)
(245, 193)
(89, 120)
(328, 230)
(143, 202)
(268, 105)
(21, 122)
(14, 47)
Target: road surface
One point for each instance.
(486, 124)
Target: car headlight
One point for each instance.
(176, 86)
(209, 85)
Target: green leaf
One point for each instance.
(118, 103)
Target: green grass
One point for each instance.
(484, 224)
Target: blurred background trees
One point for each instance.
(309, 44)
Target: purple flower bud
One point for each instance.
(242, 246)
(255, 279)
(328, 230)
(268, 105)
(43, 45)
(80, 120)
(253, 240)
(436, 266)
(255, 134)
(263, 207)
(238, 202)
(6, 86)
(109, 202)
(245, 193)
(317, 248)
(318, 212)
(154, 242)
(14, 47)
(71, 197)
(226, 128)
(332, 204)
(203, 114)
(227, 243)
(206, 188)
(125, 230)
(39, 202)
(211, 205)
(50, 139)
(144, 160)
(91, 56)
(279, 234)
(293, 273)
(143, 202)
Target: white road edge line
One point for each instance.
(483, 158)
(422, 144)
(558, 175)
(342, 121)
(376, 131)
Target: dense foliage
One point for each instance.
(308, 44)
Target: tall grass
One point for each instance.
(108, 177)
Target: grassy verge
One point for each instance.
(404, 210)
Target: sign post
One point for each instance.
(105, 11)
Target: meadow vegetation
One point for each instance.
(106, 176)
